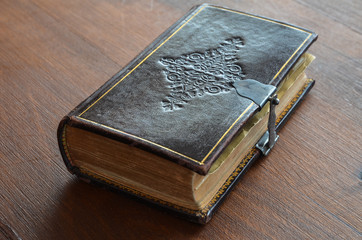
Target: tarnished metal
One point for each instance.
(268, 140)
(260, 94)
(271, 122)
(256, 91)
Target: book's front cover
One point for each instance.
(176, 98)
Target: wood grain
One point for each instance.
(53, 54)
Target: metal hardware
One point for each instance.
(268, 140)
(260, 94)
(256, 91)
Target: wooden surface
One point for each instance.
(53, 54)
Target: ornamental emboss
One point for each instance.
(196, 74)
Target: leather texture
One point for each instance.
(177, 99)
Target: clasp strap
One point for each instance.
(268, 140)
(260, 94)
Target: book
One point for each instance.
(184, 120)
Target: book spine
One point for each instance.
(61, 136)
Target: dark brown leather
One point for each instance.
(176, 98)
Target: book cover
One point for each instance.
(176, 99)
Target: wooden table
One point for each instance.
(53, 54)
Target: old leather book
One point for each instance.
(183, 121)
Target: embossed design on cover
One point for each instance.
(196, 74)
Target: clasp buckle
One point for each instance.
(260, 94)
(268, 140)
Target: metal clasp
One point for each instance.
(260, 94)
(268, 140)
